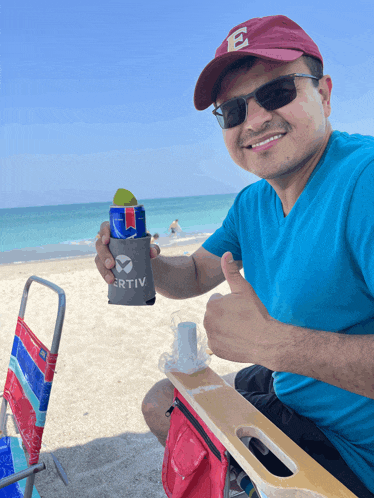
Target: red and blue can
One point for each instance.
(127, 222)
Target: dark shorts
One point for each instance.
(173, 230)
(255, 383)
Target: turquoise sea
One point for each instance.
(62, 231)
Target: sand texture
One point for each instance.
(107, 362)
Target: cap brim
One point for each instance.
(211, 72)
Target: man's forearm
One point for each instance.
(175, 276)
(345, 361)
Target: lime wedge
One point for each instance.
(124, 197)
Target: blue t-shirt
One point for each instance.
(315, 268)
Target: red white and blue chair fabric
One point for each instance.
(27, 390)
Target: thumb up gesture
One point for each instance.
(238, 326)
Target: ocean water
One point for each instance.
(53, 232)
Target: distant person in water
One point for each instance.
(153, 237)
(174, 228)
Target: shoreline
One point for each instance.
(86, 249)
(83, 262)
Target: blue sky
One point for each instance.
(98, 95)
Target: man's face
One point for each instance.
(303, 122)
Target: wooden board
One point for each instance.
(231, 417)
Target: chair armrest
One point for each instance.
(18, 476)
(231, 417)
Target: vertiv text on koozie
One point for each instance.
(122, 283)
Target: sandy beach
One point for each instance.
(107, 362)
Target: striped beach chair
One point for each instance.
(27, 390)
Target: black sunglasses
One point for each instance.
(273, 95)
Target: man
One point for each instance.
(304, 235)
(174, 227)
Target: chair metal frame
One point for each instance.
(232, 418)
(30, 472)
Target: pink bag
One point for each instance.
(195, 462)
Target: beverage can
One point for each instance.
(127, 222)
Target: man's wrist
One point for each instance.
(342, 360)
(304, 351)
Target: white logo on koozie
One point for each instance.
(123, 263)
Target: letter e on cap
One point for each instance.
(235, 38)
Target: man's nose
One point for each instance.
(256, 115)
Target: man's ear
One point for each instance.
(325, 89)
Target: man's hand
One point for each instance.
(238, 326)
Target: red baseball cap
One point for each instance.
(272, 38)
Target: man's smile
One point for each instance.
(265, 144)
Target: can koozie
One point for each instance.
(133, 284)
